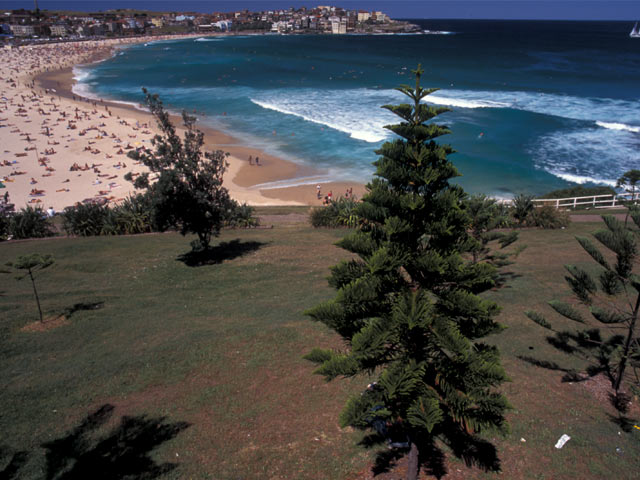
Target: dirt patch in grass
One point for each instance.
(49, 323)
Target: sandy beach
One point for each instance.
(58, 148)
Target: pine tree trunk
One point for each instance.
(413, 467)
(35, 292)
(627, 345)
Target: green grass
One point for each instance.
(220, 347)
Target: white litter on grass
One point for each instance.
(563, 439)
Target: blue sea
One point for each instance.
(535, 105)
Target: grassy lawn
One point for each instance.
(196, 372)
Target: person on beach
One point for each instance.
(250, 160)
(318, 192)
(258, 161)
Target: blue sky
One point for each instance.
(628, 10)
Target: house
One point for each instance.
(58, 30)
(23, 30)
(363, 16)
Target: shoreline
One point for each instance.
(241, 179)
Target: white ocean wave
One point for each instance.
(593, 109)
(295, 182)
(583, 179)
(593, 154)
(464, 103)
(207, 39)
(437, 32)
(81, 74)
(618, 126)
(354, 112)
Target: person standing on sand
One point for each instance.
(258, 161)
(250, 160)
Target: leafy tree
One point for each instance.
(407, 306)
(629, 182)
(613, 298)
(31, 264)
(188, 193)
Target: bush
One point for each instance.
(548, 217)
(340, 212)
(323, 217)
(242, 216)
(579, 191)
(30, 222)
(85, 219)
(522, 207)
(133, 216)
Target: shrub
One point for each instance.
(85, 219)
(579, 191)
(132, 216)
(522, 207)
(340, 212)
(548, 217)
(30, 222)
(242, 216)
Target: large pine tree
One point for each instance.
(408, 307)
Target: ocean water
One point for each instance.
(535, 106)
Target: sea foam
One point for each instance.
(619, 126)
(355, 112)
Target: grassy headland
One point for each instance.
(219, 347)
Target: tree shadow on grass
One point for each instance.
(503, 279)
(124, 452)
(13, 463)
(474, 451)
(81, 306)
(221, 252)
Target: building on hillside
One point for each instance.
(339, 27)
(380, 17)
(23, 30)
(58, 30)
(224, 25)
(157, 22)
(363, 16)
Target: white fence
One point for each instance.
(596, 201)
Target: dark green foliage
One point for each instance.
(486, 216)
(548, 217)
(407, 306)
(338, 213)
(6, 211)
(566, 310)
(607, 316)
(133, 216)
(31, 264)
(579, 191)
(539, 319)
(629, 182)
(242, 216)
(615, 305)
(30, 222)
(522, 207)
(188, 193)
(85, 219)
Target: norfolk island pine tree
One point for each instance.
(408, 308)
